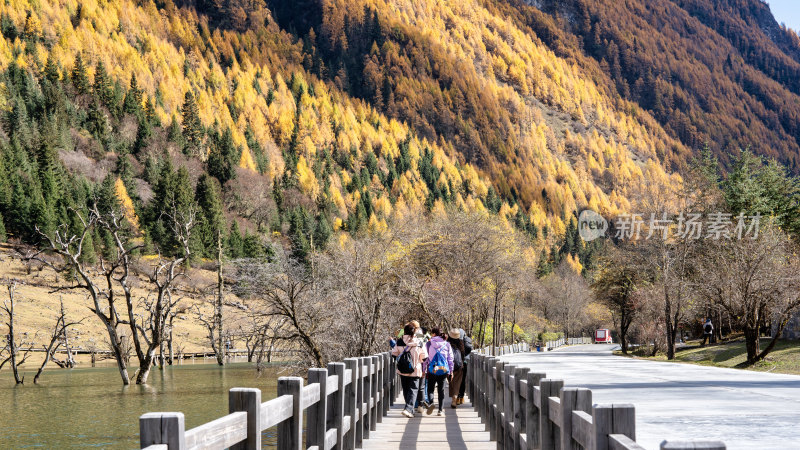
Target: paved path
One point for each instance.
(746, 410)
(459, 428)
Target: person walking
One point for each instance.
(708, 332)
(410, 357)
(438, 367)
(456, 377)
(422, 397)
(467, 350)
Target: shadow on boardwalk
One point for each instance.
(459, 428)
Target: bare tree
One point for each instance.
(668, 255)
(616, 284)
(13, 345)
(461, 268)
(103, 299)
(57, 338)
(285, 289)
(363, 277)
(565, 298)
(754, 280)
(210, 324)
(116, 269)
(171, 316)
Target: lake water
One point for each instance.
(89, 407)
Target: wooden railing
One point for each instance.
(344, 403)
(525, 410)
(554, 344)
(579, 340)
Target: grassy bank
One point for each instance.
(784, 358)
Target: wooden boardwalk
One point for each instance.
(459, 428)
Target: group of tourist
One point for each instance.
(425, 360)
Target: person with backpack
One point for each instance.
(438, 366)
(708, 332)
(467, 350)
(457, 374)
(410, 357)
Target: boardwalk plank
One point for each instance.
(459, 428)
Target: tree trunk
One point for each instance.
(146, 365)
(12, 344)
(220, 353)
(670, 328)
(52, 346)
(169, 344)
(751, 340)
(623, 333)
(116, 347)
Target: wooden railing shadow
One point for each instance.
(526, 410)
(344, 403)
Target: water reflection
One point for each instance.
(88, 407)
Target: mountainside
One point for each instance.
(722, 73)
(308, 117)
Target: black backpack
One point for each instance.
(458, 362)
(405, 362)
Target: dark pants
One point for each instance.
(410, 388)
(436, 381)
(463, 389)
(706, 337)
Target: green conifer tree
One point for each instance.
(235, 243)
(51, 70)
(79, 79)
(133, 98)
(192, 127)
(211, 219)
(223, 157)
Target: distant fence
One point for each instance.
(567, 341)
(526, 410)
(344, 403)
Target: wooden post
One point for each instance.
(351, 403)
(612, 419)
(376, 399)
(520, 422)
(532, 431)
(393, 376)
(249, 401)
(572, 399)
(290, 431)
(360, 403)
(548, 437)
(490, 391)
(472, 376)
(315, 424)
(337, 401)
(367, 396)
(484, 391)
(499, 398)
(508, 403)
(162, 428)
(387, 382)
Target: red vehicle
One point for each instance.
(602, 336)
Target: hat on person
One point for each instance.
(454, 333)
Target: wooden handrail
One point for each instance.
(525, 410)
(344, 402)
